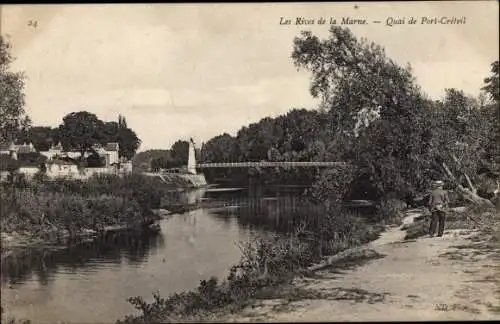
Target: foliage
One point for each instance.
(332, 186)
(160, 163)
(12, 115)
(80, 131)
(179, 152)
(124, 136)
(44, 208)
(8, 164)
(390, 211)
(464, 136)
(299, 135)
(351, 76)
(42, 137)
(492, 86)
(41, 213)
(144, 160)
(221, 148)
(175, 157)
(31, 159)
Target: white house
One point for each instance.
(58, 165)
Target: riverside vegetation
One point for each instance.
(62, 210)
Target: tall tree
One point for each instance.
(80, 131)
(122, 121)
(492, 85)
(42, 137)
(128, 140)
(179, 152)
(12, 114)
(124, 136)
(351, 75)
(221, 148)
(159, 163)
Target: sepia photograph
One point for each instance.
(250, 162)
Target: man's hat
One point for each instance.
(438, 183)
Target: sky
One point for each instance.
(177, 71)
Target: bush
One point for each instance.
(390, 211)
(42, 208)
(331, 186)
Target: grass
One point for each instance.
(416, 229)
(65, 209)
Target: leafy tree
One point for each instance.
(124, 136)
(80, 131)
(128, 140)
(350, 75)
(221, 148)
(492, 85)
(142, 161)
(159, 163)
(110, 132)
(31, 159)
(491, 115)
(122, 121)
(12, 115)
(179, 152)
(8, 164)
(42, 137)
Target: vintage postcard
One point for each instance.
(241, 162)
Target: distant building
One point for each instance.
(65, 164)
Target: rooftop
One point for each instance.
(112, 147)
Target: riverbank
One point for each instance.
(60, 212)
(392, 281)
(267, 262)
(14, 243)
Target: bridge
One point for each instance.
(193, 165)
(269, 164)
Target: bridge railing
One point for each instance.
(268, 164)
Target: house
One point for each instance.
(60, 163)
(63, 167)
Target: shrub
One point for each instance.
(390, 211)
(331, 186)
(73, 206)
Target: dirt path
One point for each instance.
(426, 279)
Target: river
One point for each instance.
(90, 283)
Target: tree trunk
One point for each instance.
(469, 182)
(468, 194)
(473, 197)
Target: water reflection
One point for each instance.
(265, 208)
(111, 250)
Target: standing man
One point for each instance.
(438, 203)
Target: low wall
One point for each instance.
(197, 180)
